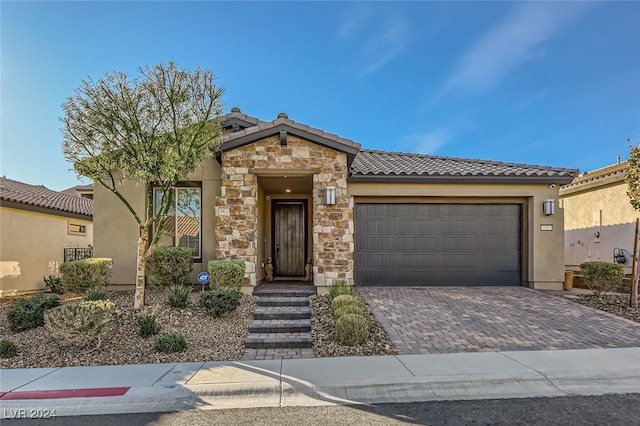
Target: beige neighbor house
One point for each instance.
(599, 219)
(37, 224)
(296, 195)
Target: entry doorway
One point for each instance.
(289, 242)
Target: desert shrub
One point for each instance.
(220, 302)
(170, 266)
(349, 309)
(339, 288)
(79, 324)
(171, 343)
(96, 293)
(178, 296)
(345, 300)
(352, 329)
(26, 314)
(147, 325)
(80, 275)
(602, 277)
(226, 274)
(54, 284)
(8, 349)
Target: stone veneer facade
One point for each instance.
(237, 212)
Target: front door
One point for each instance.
(289, 238)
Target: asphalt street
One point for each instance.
(583, 410)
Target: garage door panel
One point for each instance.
(438, 244)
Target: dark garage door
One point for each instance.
(438, 244)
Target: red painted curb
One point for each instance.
(64, 393)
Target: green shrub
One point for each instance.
(146, 324)
(54, 284)
(80, 275)
(79, 324)
(171, 343)
(26, 314)
(345, 300)
(8, 349)
(220, 302)
(352, 329)
(96, 293)
(178, 296)
(340, 287)
(602, 277)
(170, 266)
(349, 309)
(226, 274)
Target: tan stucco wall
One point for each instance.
(116, 232)
(597, 220)
(32, 246)
(543, 262)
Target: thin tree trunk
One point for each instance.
(140, 264)
(633, 302)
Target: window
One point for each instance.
(183, 224)
(76, 229)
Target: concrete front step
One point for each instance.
(280, 326)
(278, 340)
(281, 313)
(283, 301)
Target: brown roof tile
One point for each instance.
(40, 196)
(618, 170)
(370, 163)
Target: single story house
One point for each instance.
(298, 197)
(37, 225)
(599, 219)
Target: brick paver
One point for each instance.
(424, 320)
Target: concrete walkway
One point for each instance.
(432, 320)
(319, 381)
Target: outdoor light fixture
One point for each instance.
(331, 196)
(549, 207)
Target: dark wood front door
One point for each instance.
(289, 238)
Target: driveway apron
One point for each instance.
(428, 320)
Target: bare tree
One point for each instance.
(153, 129)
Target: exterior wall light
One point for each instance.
(331, 196)
(549, 207)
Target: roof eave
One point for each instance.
(46, 210)
(559, 180)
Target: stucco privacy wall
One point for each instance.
(119, 232)
(543, 260)
(597, 220)
(237, 212)
(32, 246)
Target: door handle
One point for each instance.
(277, 249)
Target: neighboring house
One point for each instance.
(285, 191)
(85, 191)
(599, 219)
(37, 224)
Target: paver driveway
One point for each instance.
(424, 320)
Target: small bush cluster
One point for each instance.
(79, 324)
(54, 284)
(8, 349)
(178, 296)
(170, 266)
(80, 275)
(349, 314)
(220, 302)
(226, 274)
(602, 277)
(171, 343)
(26, 314)
(96, 293)
(147, 325)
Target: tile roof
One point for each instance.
(616, 172)
(236, 114)
(373, 164)
(78, 188)
(40, 196)
(186, 226)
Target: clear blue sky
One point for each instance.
(543, 83)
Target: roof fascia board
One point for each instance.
(462, 179)
(45, 210)
(235, 120)
(595, 184)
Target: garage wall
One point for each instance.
(543, 255)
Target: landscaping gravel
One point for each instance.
(612, 303)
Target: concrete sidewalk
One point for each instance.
(318, 381)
